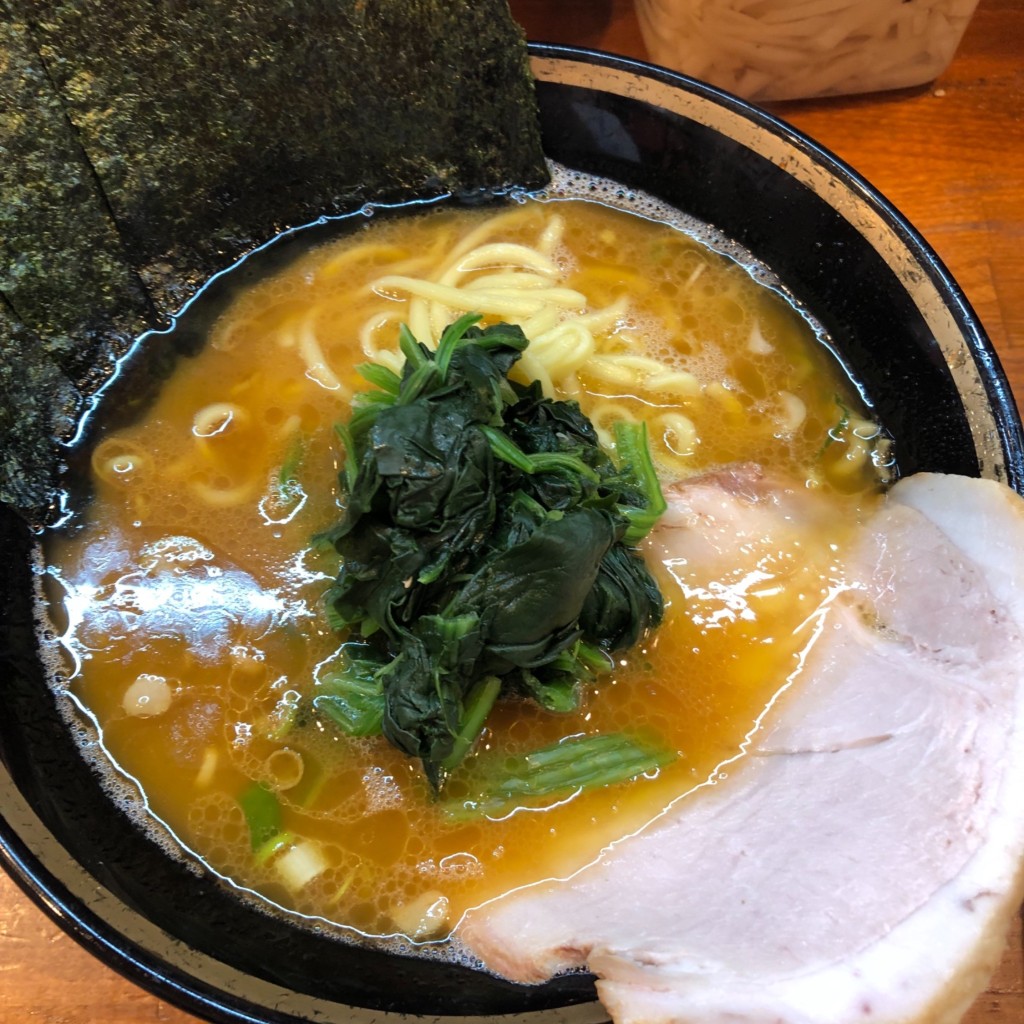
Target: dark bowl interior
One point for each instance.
(900, 325)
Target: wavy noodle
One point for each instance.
(856, 445)
(224, 497)
(116, 461)
(217, 417)
(678, 434)
(551, 236)
(697, 271)
(546, 320)
(316, 363)
(608, 370)
(599, 320)
(368, 340)
(492, 226)
(644, 374)
(503, 254)
(511, 280)
(857, 453)
(605, 413)
(726, 399)
(564, 348)
(348, 259)
(419, 321)
(290, 427)
(679, 383)
(532, 368)
(207, 768)
(515, 302)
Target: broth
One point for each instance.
(193, 593)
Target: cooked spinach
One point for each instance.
(352, 695)
(485, 544)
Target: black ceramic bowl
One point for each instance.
(902, 327)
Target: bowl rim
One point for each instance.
(72, 898)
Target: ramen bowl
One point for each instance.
(894, 316)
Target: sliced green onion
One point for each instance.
(262, 813)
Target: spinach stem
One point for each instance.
(478, 706)
(380, 377)
(539, 462)
(634, 456)
(450, 340)
(351, 467)
(577, 763)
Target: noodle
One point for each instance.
(678, 433)
(220, 494)
(116, 462)
(787, 49)
(316, 364)
(218, 417)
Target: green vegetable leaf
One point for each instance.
(624, 601)
(482, 547)
(531, 595)
(352, 696)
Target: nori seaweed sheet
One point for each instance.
(52, 213)
(212, 126)
(180, 135)
(40, 404)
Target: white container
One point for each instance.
(788, 49)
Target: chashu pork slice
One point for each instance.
(863, 862)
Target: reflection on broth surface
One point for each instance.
(194, 594)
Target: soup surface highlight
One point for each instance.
(193, 592)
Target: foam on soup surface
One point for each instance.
(193, 592)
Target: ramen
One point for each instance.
(194, 596)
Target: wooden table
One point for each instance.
(951, 158)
